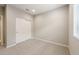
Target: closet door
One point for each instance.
(23, 30)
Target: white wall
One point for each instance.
(73, 41)
(11, 14)
(53, 26)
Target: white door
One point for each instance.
(23, 30)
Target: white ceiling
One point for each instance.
(40, 8)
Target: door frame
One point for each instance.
(1, 24)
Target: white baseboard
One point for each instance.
(47, 41)
(10, 45)
(16, 43)
(19, 41)
(23, 41)
(52, 42)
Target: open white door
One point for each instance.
(23, 30)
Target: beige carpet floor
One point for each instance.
(34, 47)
